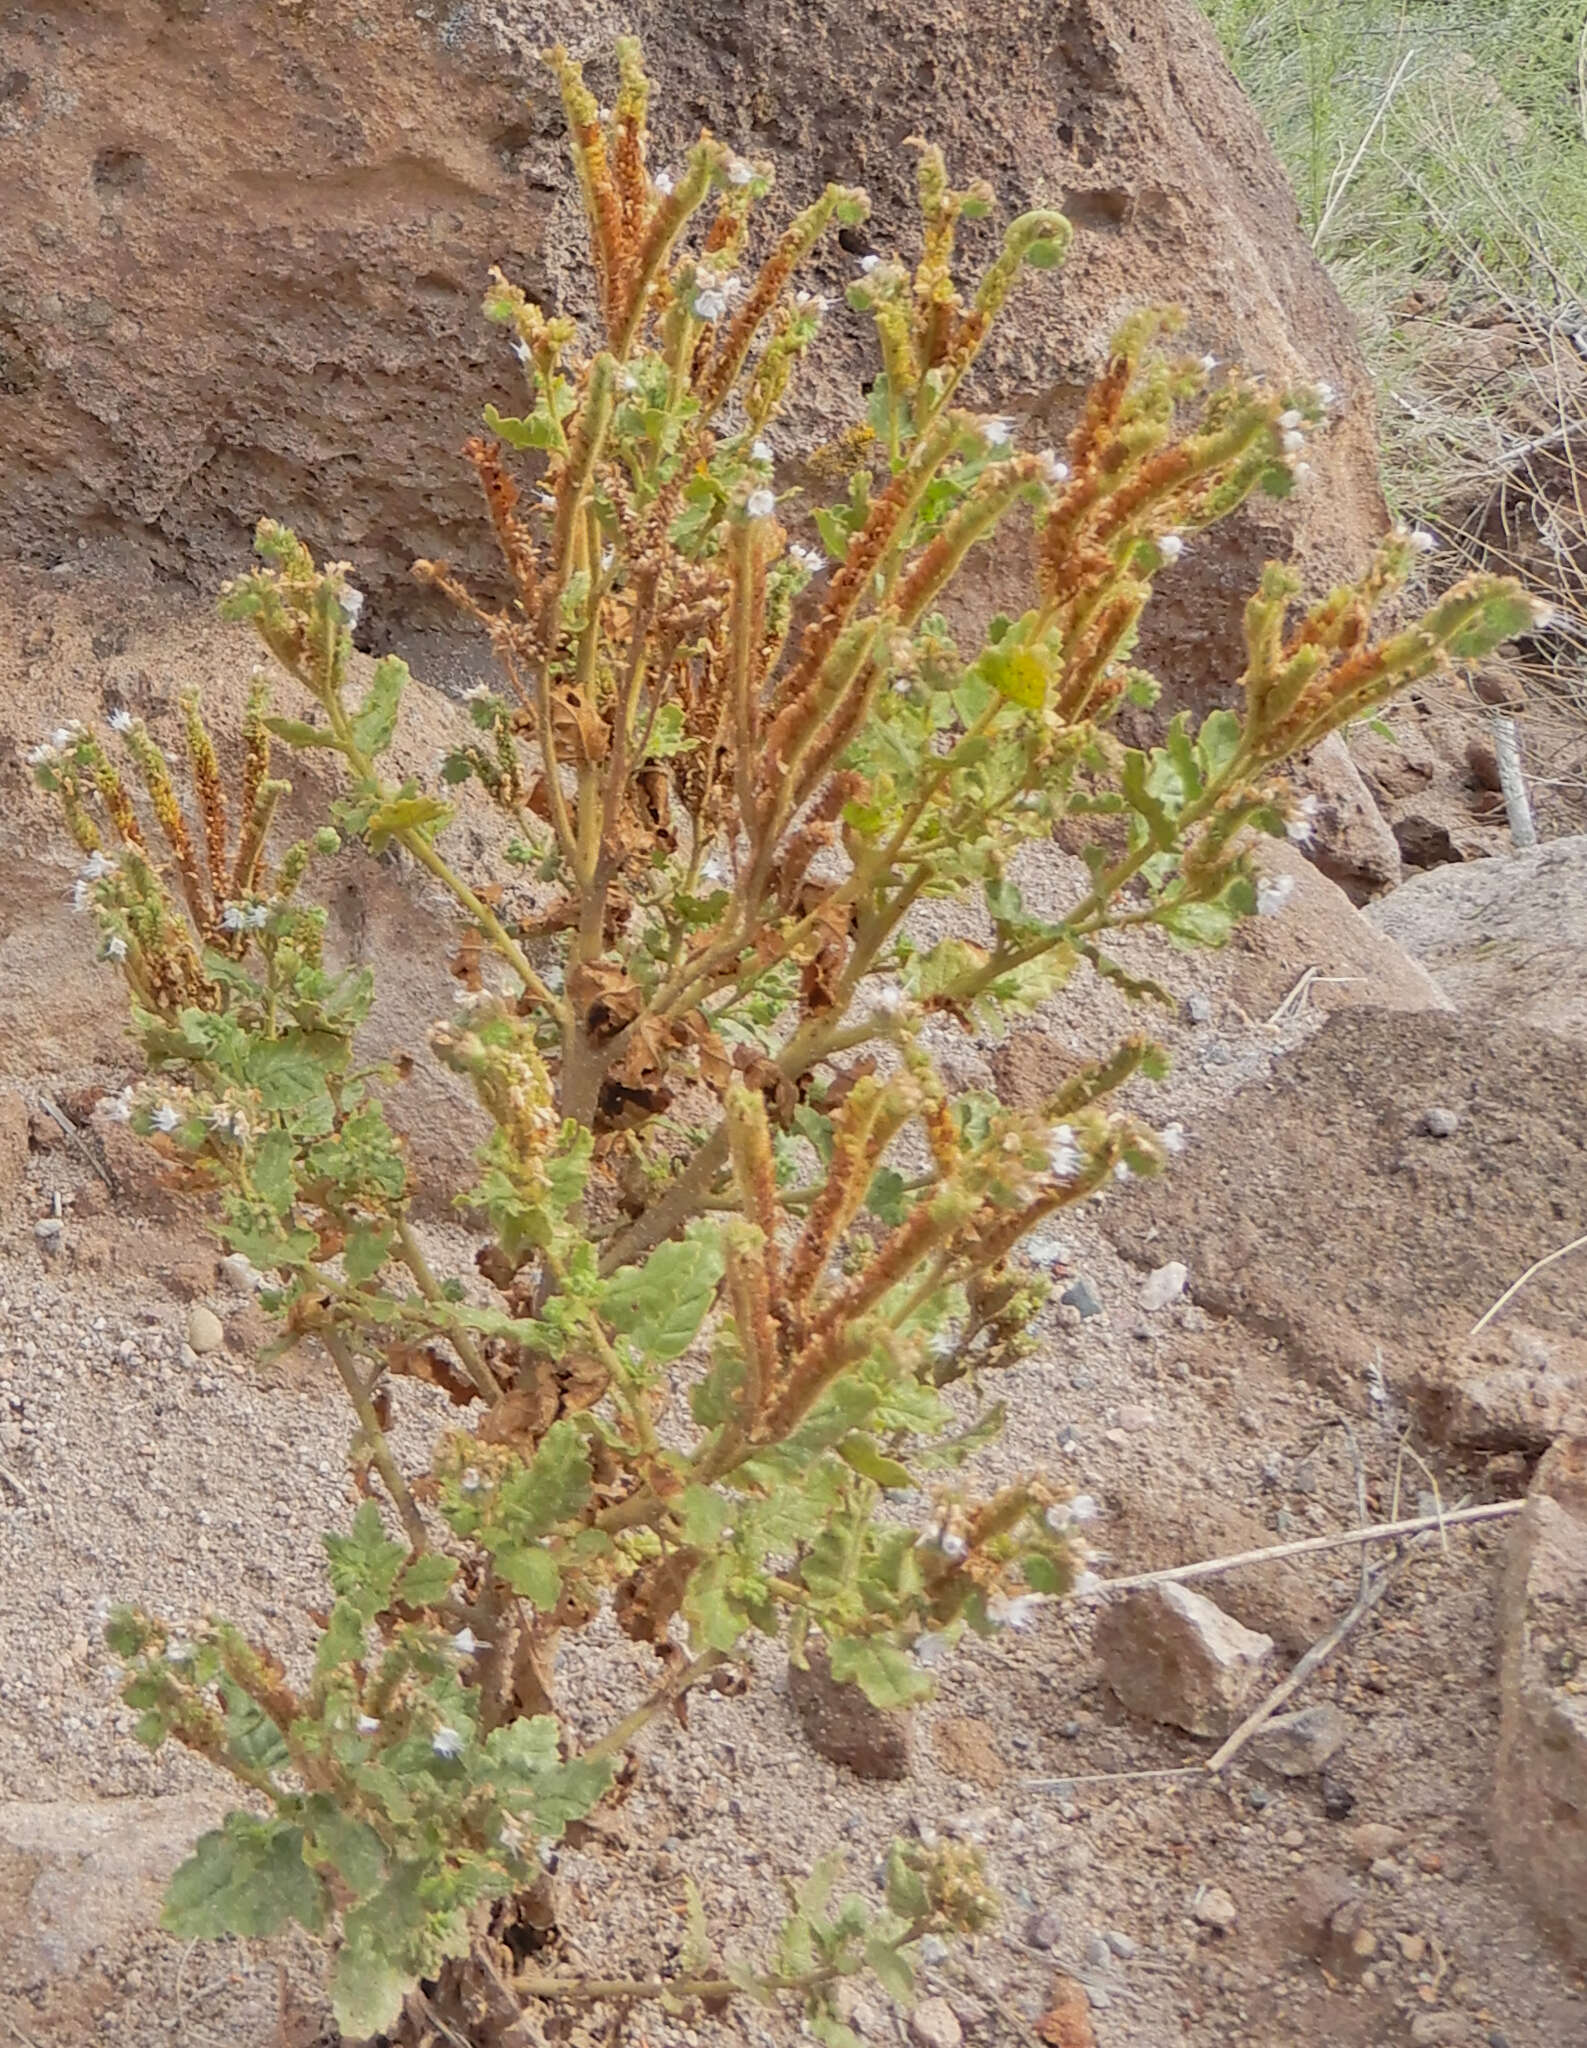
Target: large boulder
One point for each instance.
(244, 245)
(1540, 1794)
(1373, 1196)
(1505, 937)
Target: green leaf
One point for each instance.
(906, 1888)
(247, 1877)
(660, 1305)
(532, 1572)
(705, 1514)
(365, 1563)
(351, 1846)
(368, 1245)
(886, 1196)
(890, 1967)
(403, 814)
(1218, 742)
(881, 1671)
(427, 1579)
(270, 1169)
(570, 1791)
(1017, 673)
(375, 721)
(286, 1074)
(862, 1456)
(297, 733)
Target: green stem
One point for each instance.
(379, 1449)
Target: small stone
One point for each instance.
(1412, 1946)
(205, 1330)
(1098, 1954)
(1439, 2029)
(239, 1273)
(1199, 1009)
(1339, 1802)
(1439, 1122)
(1212, 1907)
(1386, 1871)
(1293, 1838)
(1121, 1944)
(1081, 1295)
(1043, 1930)
(1174, 1656)
(1134, 1415)
(933, 2025)
(50, 1230)
(1372, 1839)
(1164, 1286)
(1296, 1745)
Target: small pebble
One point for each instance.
(1121, 1944)
(1098, 1954)
(1412, 1947)
(239, 1273)
(205, 1331)
(1199, 1009)
(933, 2025)
(1081, 1295)
(1044, 1930)
(1439, 1122)
(1164, 1286)
(1212, 1907)
(49, 1231)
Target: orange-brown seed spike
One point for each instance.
(208, 789)
(513, 537)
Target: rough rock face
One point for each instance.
(1540, 1793)
(1505, 937)
(1423, 1232)
(244, 244)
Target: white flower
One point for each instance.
(119, 1107)
(121, 719)
(1302, 472)
(739, 172)
(1124, 1171)
(256, 917)
(82, 896)
(234, 918)
(1293, 444)
(446, 1742)
(227, 1122)
(520, 349)
(715, 869)
(352, 603)
(953, 1546)
(1055, 470)
(998, 431)
(471, 1481)
(1326, 395)
(1301, 822)
(710, 304)
(1289, 421)
(810, 302)
(1063, 1154)
(166, 1118)
(761, 504)
(810, 560)
(1068, 1514)
(41, 755)
(466, 1643)
(1172, 1138)
(868, 264)
(1208, 365)
(891, 1002)
(1170, 547)
(1425, 543)
(1018, 1612)
(664, 183)
(366, 1724)
(96, 867)
(760, 451)
(902, 687)
(63, 736)
(1088, 1583)
(1272, 893)
(115, 947)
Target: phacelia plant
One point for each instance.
(737, 1239)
